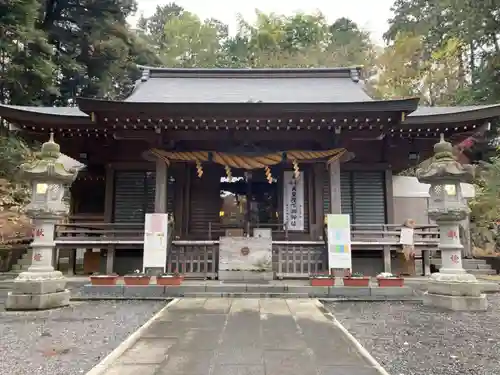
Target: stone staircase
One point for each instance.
(473, 266)
(24, 262)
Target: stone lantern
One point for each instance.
(41, 287)
(451, 287)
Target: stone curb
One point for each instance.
(361, 349)
(106, 363)
(326, 299)
(243, 290)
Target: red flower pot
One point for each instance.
(103, 280)
(392, 282)
(356, 281)
(169, 280)
(322, 281)
(136, 280)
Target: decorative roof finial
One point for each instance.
(50, 149)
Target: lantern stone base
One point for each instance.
(458, 292)
(38, 291)
(37, 301)
(456, 303)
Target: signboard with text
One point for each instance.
(155, 242)
(293, 201)
(339, 241)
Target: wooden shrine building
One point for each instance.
(216, 148)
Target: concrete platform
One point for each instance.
(275, 289)
(241, 336)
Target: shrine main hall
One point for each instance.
(241, 152)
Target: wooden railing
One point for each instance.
(362, 235)
(297, 259)
(95, 234)
(375, 235)
(194, 259)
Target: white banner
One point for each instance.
(155, 241)
(339, 242)
(293, 201)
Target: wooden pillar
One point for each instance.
(334, 173)
(161, 187)
(319, 181)
(110, 259)
(72, 262)
(426, 263)
(389, 197)
(109, 194)
(387, 259)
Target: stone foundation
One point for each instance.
(245, 258)
(38, 291)
(37, 301)
(243, 275)
(456, 302)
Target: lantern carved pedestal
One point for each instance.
(41, 287)
(451, 287)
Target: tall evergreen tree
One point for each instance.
(26, 70)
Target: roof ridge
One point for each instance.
(353, 72)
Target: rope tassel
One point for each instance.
(199, 169)
(269, 176)
(296, 170)
(228, 172)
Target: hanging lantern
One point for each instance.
(228, 173)
(296, 170)
(269, 176)
(199, 169)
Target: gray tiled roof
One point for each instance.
(251, 89)
(435, 111)
(58, 111)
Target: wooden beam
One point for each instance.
(244, 135)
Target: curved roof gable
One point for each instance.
(443, 115)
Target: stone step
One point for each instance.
(482, 272)
(485, 271)
(464, 262)
(24, 262)
(6, 285)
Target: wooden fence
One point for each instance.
(194, 259)
(199, 259)
(296, 259)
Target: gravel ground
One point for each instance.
(70, 340)
(410, 339)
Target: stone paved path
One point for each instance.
(242, 337)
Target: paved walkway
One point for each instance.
(242, 337)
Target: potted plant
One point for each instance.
(137, 278)
(322, 280)
(386, 279)
(97, 279)
(356, 279)
(174, 278)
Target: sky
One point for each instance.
(370, 15)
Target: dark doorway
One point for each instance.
(249, 200)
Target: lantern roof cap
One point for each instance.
(445, 168)
(47, 167)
